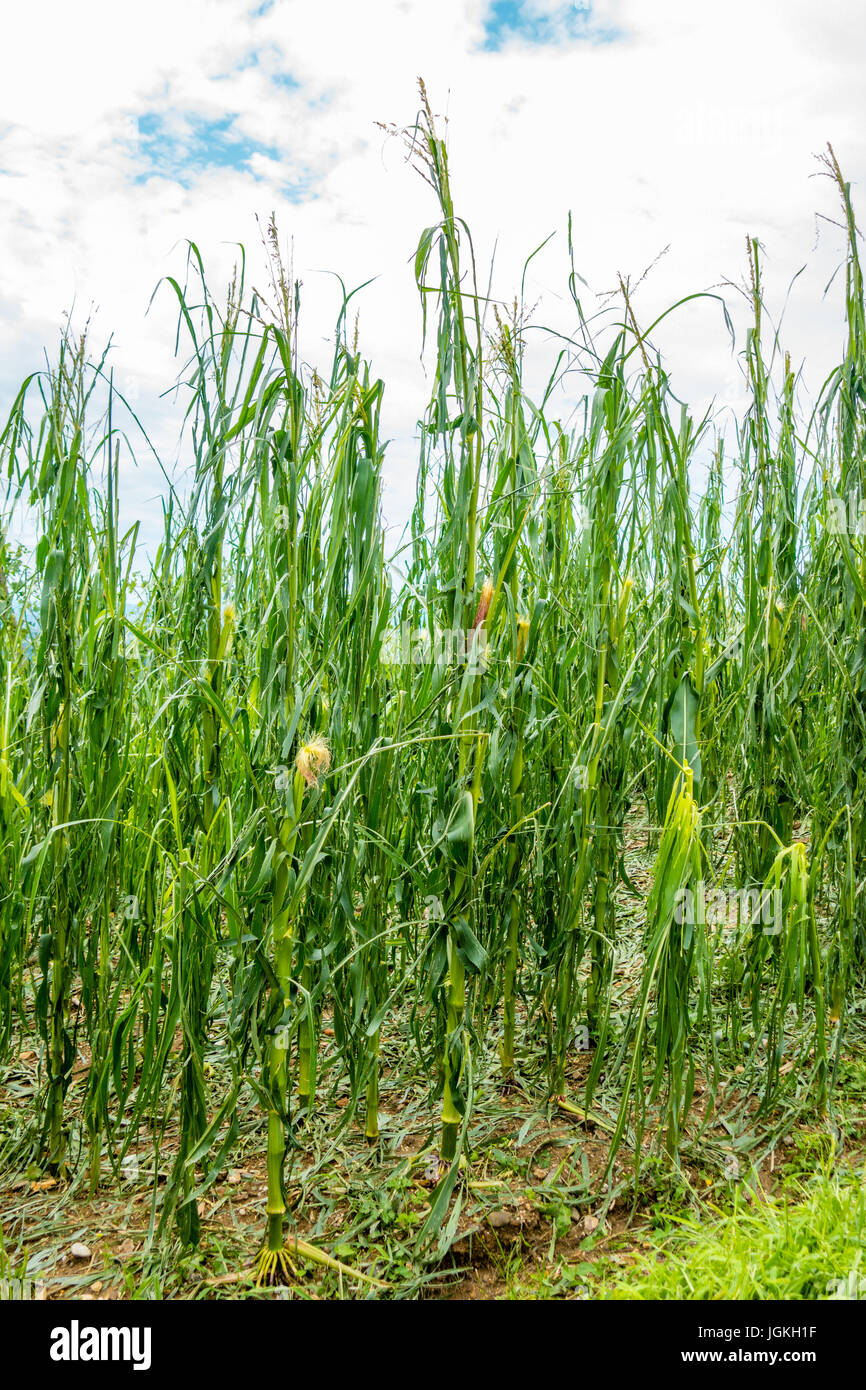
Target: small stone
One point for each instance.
(498, 1219)
(78, 1251)
(589, 1224)
(235, 1177)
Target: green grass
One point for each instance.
(808, 1242)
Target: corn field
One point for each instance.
(320, 854)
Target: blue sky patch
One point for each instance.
(253, 59)
(522, 20)
(286, 81)
(182, 149)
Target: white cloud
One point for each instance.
(695, 128)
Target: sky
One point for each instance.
(661, 126)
